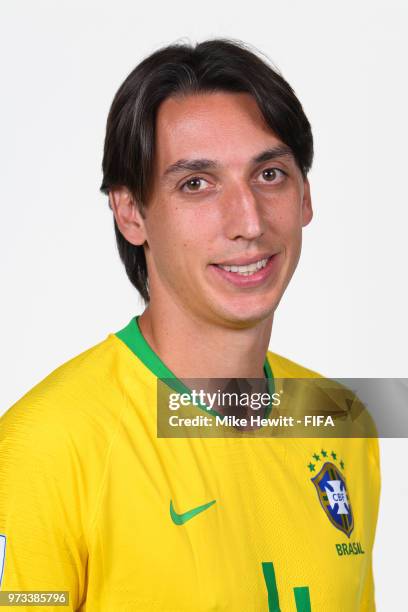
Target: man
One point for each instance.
(206, 158)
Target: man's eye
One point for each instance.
(194, 184)
(273, 175)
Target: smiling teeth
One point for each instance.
(246, 270)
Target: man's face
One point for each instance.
(227, 193)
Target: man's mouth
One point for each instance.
(245, 270)
(248, 272)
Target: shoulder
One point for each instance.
(362, 419)
(282, 367)
(58, 436)
(73, 399)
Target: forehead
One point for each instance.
(225, 126)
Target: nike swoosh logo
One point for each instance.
(180, 519)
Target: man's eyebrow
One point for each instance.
(273, 153)
(202, 164)
(193, 165)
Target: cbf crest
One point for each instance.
(332, 491)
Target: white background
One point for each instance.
(63, 286)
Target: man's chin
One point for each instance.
(241, 317)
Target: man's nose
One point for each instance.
(243, 213)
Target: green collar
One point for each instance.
(132, 336)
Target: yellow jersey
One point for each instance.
(93, 502)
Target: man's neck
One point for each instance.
(194, 348)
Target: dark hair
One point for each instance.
(213, 65)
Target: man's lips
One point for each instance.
(244, 260)
(248, 278)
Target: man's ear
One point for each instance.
(128, 216)
(307, 210)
